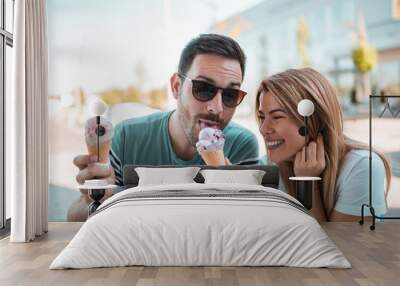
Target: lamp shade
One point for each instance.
(98, 107)
(305, 107)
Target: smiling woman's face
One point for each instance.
(279, 129)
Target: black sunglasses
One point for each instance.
(204, 91)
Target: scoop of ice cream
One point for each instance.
(106, 130)
(210, 139)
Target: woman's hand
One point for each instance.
(315, 164)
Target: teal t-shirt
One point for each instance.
(352, 183)
(145, 141)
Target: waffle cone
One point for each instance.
(104, 148)
(213, 158)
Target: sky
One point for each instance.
(103, 44)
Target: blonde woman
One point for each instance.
(342, 163)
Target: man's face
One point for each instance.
(194, 115)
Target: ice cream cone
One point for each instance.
(213, 158)
(211, 146)
(103, 140)
(104, 149)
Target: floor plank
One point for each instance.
(374, 255)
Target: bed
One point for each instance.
(201, 223)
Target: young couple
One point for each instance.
(207, 89)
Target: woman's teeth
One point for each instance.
(274, 144)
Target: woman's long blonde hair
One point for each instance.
(288, 89)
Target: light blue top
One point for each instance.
(352, 184)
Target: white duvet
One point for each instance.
(220, 225)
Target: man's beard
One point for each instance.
(191, 128)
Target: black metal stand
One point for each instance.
(96, 195)
(304, 190)
(394, 115)
(304, 193)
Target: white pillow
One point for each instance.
(163, 176)
(249, 177)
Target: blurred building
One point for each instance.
(281, 34)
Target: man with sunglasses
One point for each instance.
(207, 90)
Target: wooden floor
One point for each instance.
(374, 255)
